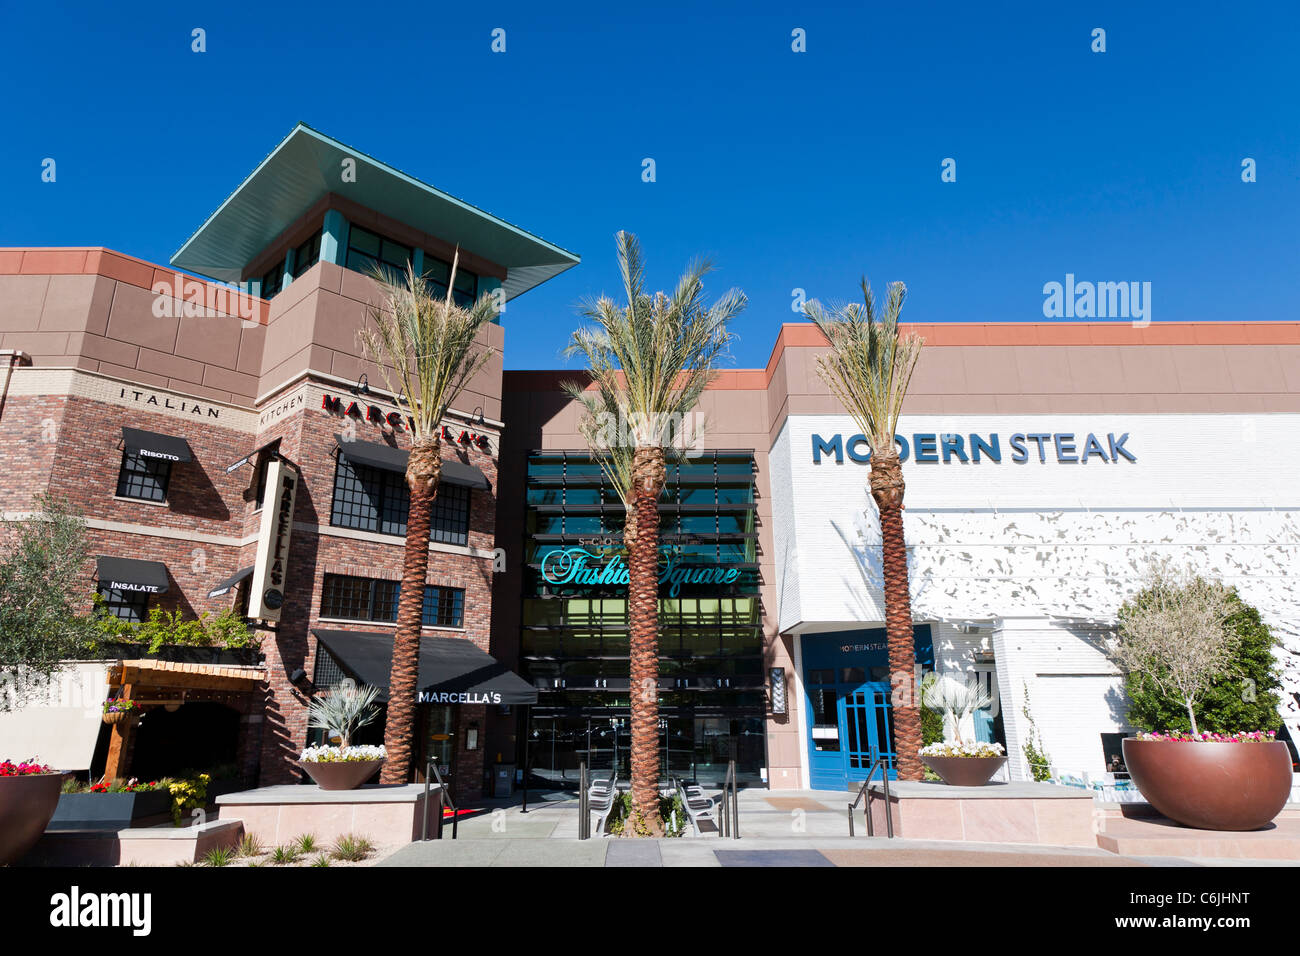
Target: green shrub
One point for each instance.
(305, 844)
(219, 856)
(352, 848)
(1243, 698)
(284, 855)
(1036, 754)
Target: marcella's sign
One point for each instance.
(350, 408)
(266, 592)
(942, 448)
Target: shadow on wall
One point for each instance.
(191, 492)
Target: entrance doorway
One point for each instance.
(847, 699)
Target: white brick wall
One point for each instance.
(1048, 543)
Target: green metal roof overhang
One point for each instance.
(307, 165)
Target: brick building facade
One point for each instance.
(94, 342)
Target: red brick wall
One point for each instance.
(71, 445)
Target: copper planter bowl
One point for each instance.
(1212, 786)
(26, 805)
(341, 774)
(964, 771)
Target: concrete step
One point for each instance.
(1158, 836)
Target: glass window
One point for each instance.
(306, 255)
(273, 280)
(368, 251)
(369, 499)
(359, 599)
(438, 271)
(327, 672)
(143, 478)
(370, 599)
(443, 607)
(125, 605)
(450, 523)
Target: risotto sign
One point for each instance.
(578, 566)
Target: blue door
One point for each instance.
(847, 695)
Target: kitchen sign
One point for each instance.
(266, 593)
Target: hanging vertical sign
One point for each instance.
(266, 592)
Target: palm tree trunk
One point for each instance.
(399, 730)
(643, 627)
(898, 631)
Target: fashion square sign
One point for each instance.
(577, 566)
(942, 448)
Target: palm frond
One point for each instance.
(424, 343)
(870, 363)
(652, 358)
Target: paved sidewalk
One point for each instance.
(760, 851)
(781, 828)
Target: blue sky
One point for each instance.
(790, 170)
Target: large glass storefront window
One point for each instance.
(574, 645)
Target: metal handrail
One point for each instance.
(584, 803)
(883, 763)
(730, 804)
(444, 800)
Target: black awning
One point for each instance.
(394, 459)
(152, 445)
(452, 670)
(128, 574)
(253, 455)
(373, 454)
(225, 586)
(458, 473)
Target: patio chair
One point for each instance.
(697, 806)
(600, 801)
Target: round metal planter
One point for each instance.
(341, 774)
(26, 805)
(1212, 786)
(965, 771)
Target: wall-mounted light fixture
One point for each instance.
(363, 385)
(776, 681)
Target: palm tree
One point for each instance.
(425, 347)
(868, 369)
(650, 360)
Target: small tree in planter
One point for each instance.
(958, 762)
(341, 712)
(1174, 639)
(1172, 636)
(43, 570)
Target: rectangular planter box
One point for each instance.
(110, 811)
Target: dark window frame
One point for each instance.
(400, 251)
(443, 607)
(378, 500)
(130, 606)
(313, 243)
(143, 479)
(273, 280)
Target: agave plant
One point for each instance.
(344, 710)
(956, 700)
